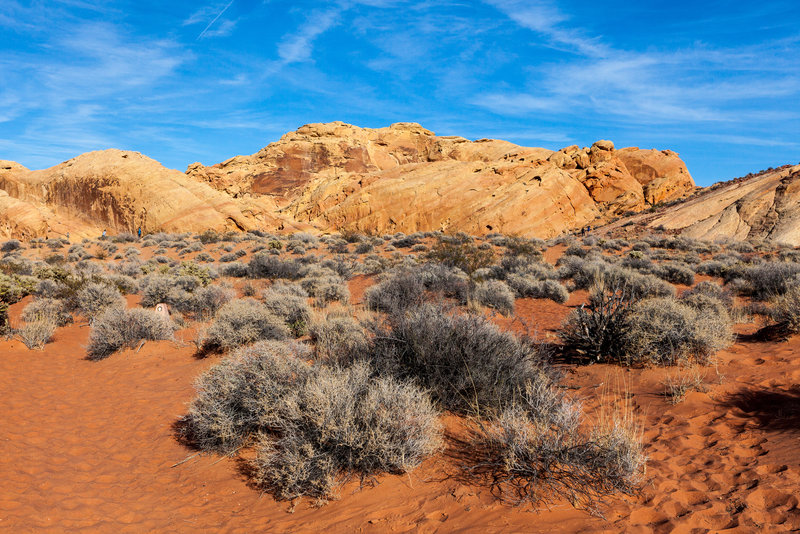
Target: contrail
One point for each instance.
(202, 33)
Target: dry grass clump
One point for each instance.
(51, 309)
(535, 451)
(37, 333)
(118, 328)
(314, 426)
(495, 294)
(664, 332)
(241, 322)
(678, 384)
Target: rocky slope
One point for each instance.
(337, 176)
(764, 206)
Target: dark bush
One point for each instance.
(264, 265)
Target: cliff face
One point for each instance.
(334, 176)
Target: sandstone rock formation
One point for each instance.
(405, 178)
(765, 206)
(118, 190)
(337, 176)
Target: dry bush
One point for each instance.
(289, 303)
(54, 310)
(467, 363)
(675, 273)
(664, 332)
(37, 333)
(785, 309)
(118, 328)
(93, 298)
(344, 423)
(587, 273)
(265, 265)
(326, 288)
(400, 290)
(339, 339)
(241, 322)
(535, 452)
(314, 426)
(596, 330)
(495, 294)
(243, 394)
(460, 253)
(528, 286)
(205, 302)
(770, 279)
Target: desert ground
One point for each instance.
(96, 444)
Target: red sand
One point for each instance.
(90, 445)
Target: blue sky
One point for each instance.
(716, 81)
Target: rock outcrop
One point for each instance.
(765, 206)
(121, 191)
(337, 176)
(405, 178)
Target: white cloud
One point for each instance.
(298, 47)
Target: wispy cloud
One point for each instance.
(207, 30)
(298, 46)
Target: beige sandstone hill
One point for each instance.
(337, 176)
(405, 178)
(765, 206)
(113, 189)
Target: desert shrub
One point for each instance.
(37, 333)
(586, 273)
(444, 281)
(241, 322)
(398, 291)
(10, 245)
(533, 455)
(461, 254)
(364, 248)
(325, 286)
(242, 394)
(710, 289)
(665, 331)
(770, 279)
(467, 363)
(495, 294)
(227, 258)
(344, 423)
(264, 265)
(93, 298)
(205, 257)
(289, 303)
(118, 328)
(525, 285)
(785, 309)
(675, 273)
(596, 330)
(173, 290)
(205, 302)
(209, 236)
(339, 339)
(314, 426)
(42, 309)
(235, 269)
